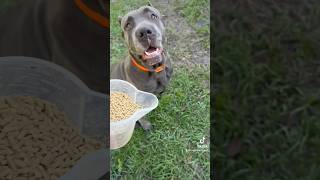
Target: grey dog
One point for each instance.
(148, 65)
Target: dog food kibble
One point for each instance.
(122, 106)
(37, 141)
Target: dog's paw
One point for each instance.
(145, 124)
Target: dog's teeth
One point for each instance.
(153, 53)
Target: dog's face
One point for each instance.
(143, 32)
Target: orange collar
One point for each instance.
(93, 15)
(144, 69)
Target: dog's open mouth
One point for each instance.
(152, 52)
(152, 55)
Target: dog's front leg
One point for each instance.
(145, 124)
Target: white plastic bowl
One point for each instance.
(121, 131)
(87, 109)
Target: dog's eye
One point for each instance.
(127, 26)
(153, 16)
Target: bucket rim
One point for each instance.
(146, 110)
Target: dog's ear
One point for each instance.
(163, 18)
(119, 19)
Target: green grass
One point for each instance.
(180, 121)
(266, 85)
(197, 14)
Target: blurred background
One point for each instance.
(266, 89)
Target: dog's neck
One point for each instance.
(97, 14)
(99, 6)
(73, 31)
(136, 61)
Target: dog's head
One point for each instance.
(143, 32)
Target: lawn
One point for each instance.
(170, 150)
(266, 90)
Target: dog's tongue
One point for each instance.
(152, 52)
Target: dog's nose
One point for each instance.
(144, 32)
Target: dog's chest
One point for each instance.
(156, 83)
